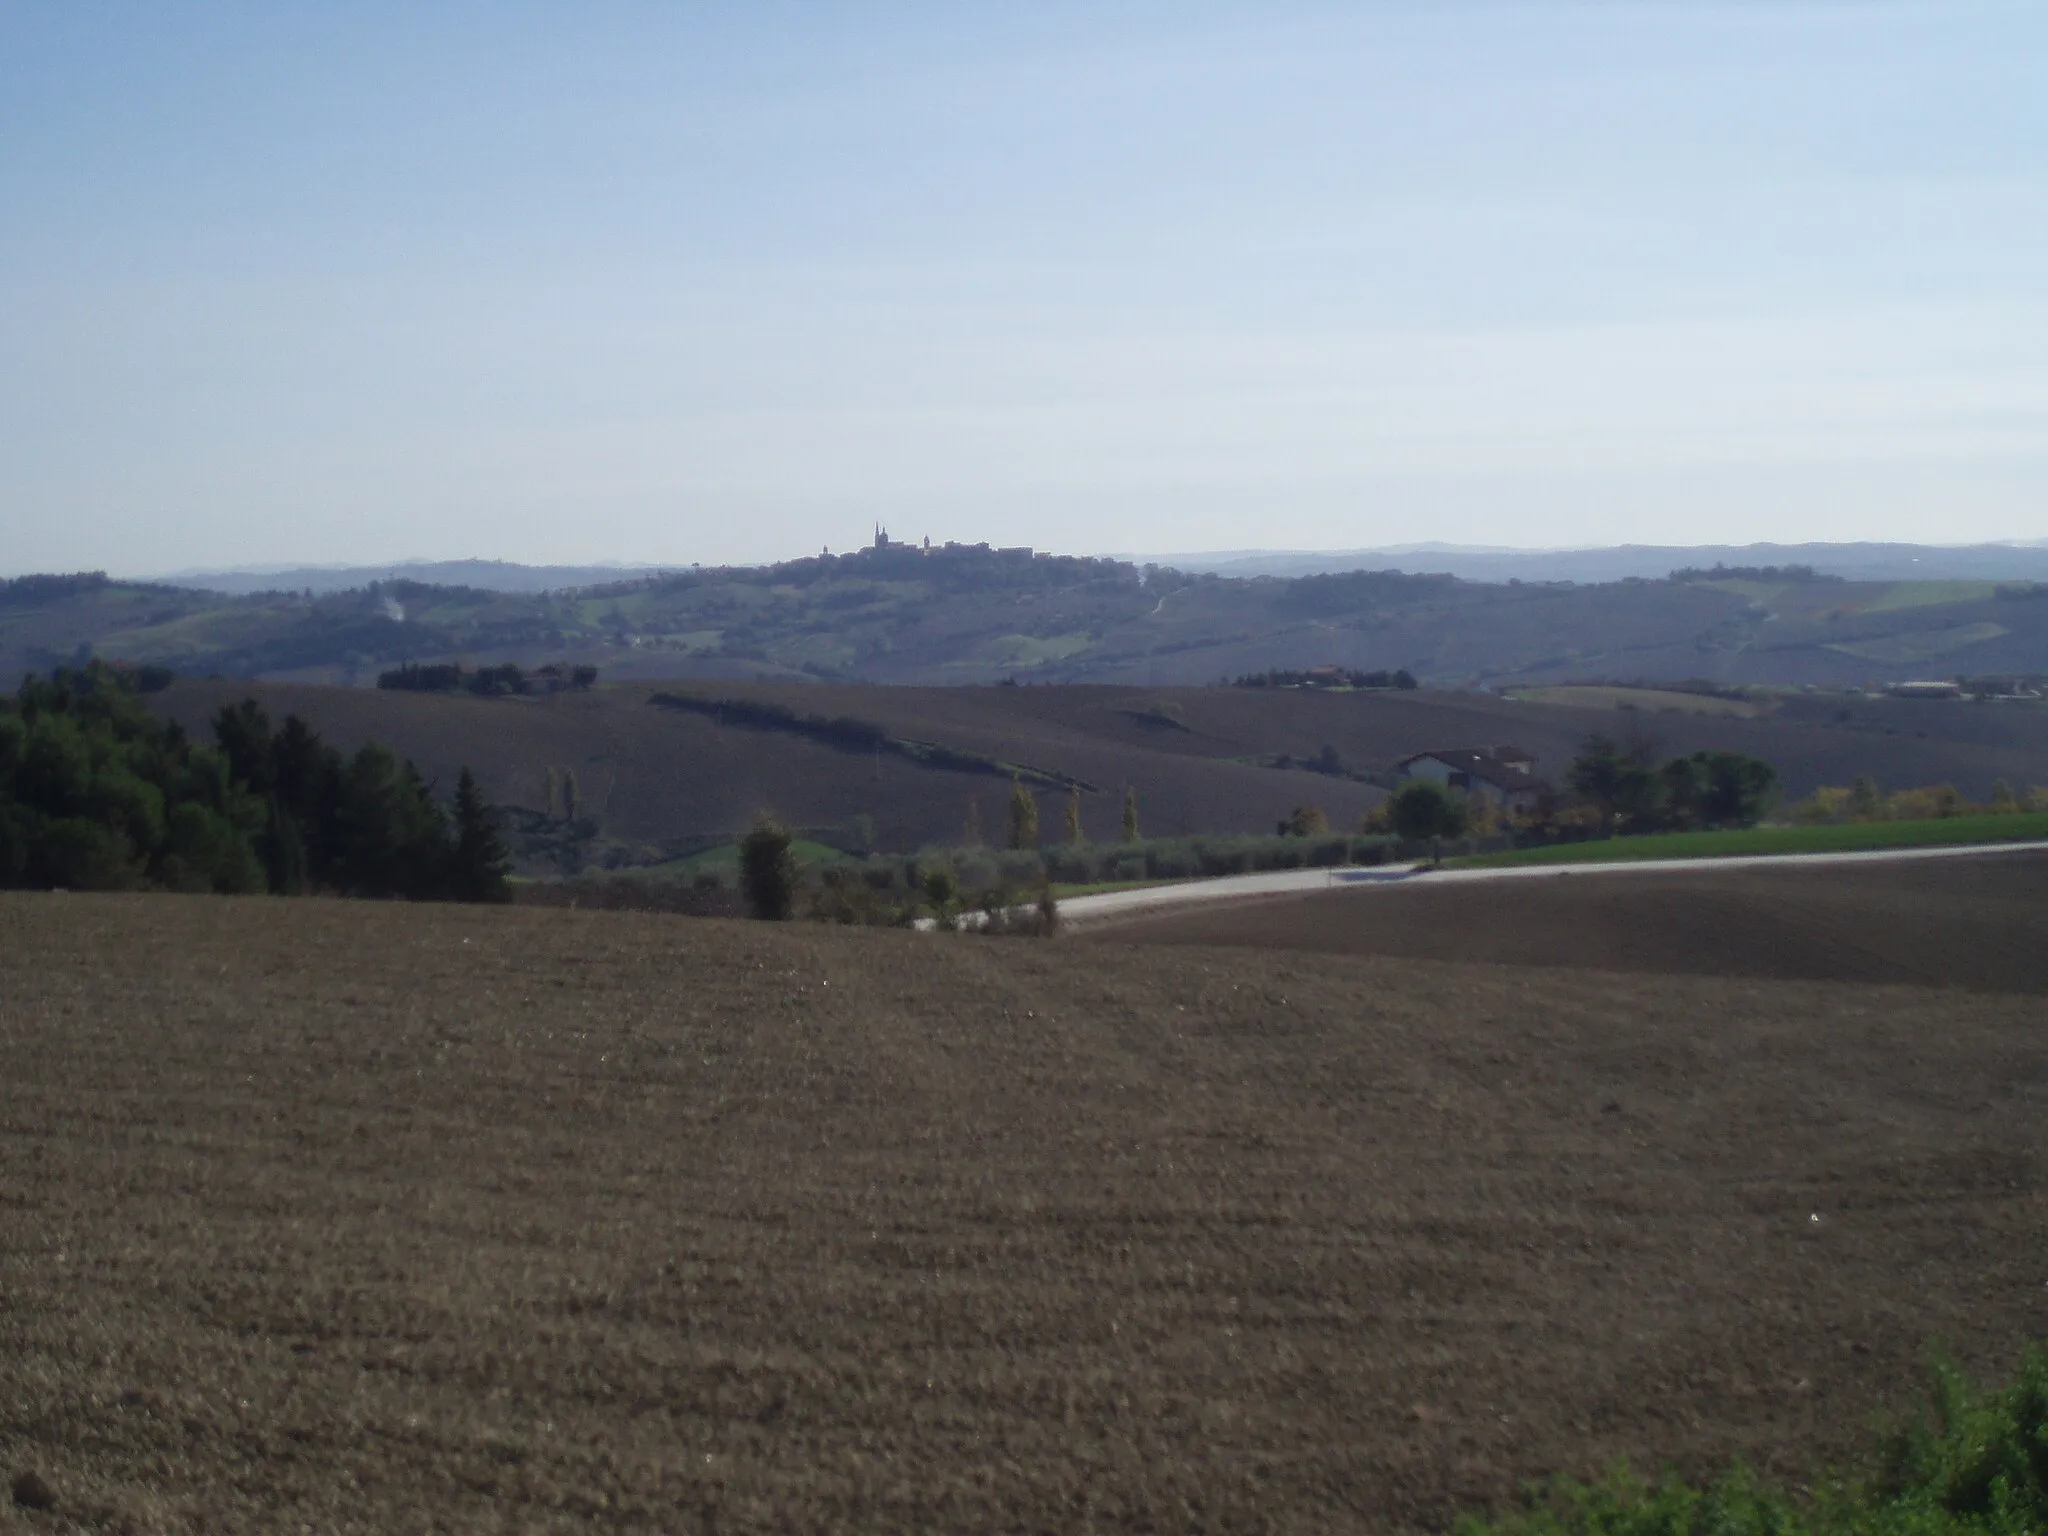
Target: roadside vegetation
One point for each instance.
(807, 879)
(1710, 806)
(1975, 1464)
(1862, 803)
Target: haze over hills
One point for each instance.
(901, 613)
(483, 575)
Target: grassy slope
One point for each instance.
(1957, 831)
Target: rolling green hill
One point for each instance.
(970, 614)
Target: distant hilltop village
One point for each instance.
(885, 545)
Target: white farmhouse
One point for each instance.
(1502, 776)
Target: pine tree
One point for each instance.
(1023, 816)
(1075, 836)
(1130, 815)
(478, 867)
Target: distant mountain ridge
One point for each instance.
(1854, 562)
(1468, 562)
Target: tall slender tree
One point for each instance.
(478, 868)
(1023, 816)
(768, 870)
(1130, 814)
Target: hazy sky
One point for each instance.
(289, 282)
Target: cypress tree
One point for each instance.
(1075, 835)
(478, 867)
(1130, 815)
(1023, 816)
(767, 871)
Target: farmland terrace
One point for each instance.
(368, 1217)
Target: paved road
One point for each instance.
(1079, 911)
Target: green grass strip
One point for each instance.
(1852, 837)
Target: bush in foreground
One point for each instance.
(1977, 1466)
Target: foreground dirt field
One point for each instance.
(356, 1217)
(1976, 923)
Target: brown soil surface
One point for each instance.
(1976, 923)
(384, 1218)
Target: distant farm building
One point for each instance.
(1927, 690)
(1502, 776)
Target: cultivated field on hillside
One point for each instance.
(1200, 758)
(383, 1218)
(1975, 923)
(1656, 700)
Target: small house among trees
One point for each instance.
(1502, 776)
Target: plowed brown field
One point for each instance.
(320, 1216)
(1976, 923)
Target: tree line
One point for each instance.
(1632, 792)
(487, 682)
(98, 793)
(1797, 574)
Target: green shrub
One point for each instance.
(207, 853)
(1978, 1466)
(79, 855)
(1022, 870)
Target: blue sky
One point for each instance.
(691, 282)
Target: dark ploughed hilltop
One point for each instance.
(1980, 923)
(381, 1218)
